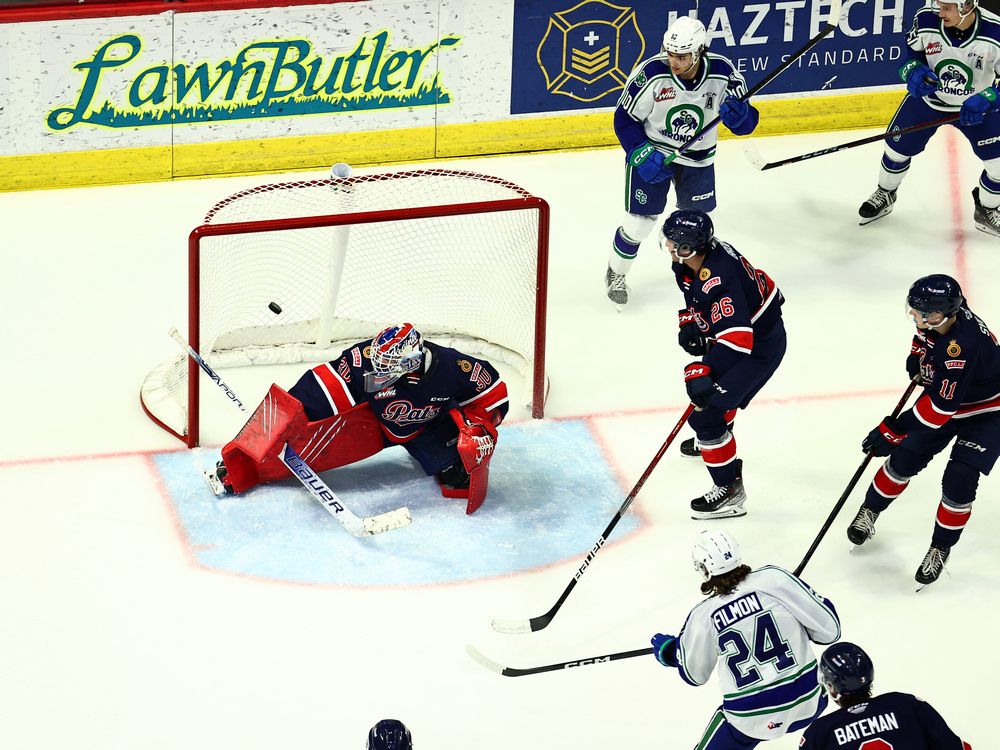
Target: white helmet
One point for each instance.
(715, 553)
(685, 35)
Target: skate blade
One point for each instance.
(863, 221)
(724, 513)
(922, 586)
(214, 484)
(987, 230)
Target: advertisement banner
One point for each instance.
(576, 55)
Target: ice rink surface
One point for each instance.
(140, 614)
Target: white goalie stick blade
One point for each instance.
(511, 627)
(752, 153)
(484, 661)
(394, 519)
(213, 482)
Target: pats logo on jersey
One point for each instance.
(588, 49)
(956, 78)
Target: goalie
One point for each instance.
(439, 404)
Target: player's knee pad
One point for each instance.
(893, 155)
(905, 464)
(636, 227)
(709, 425)
(959, 483)
(991, 168)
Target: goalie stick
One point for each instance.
(491, 665)
(831, 23)
(354, 524)
(754, 157)
(537, 623)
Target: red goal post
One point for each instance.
(461, 255)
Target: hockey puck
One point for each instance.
(275, 308)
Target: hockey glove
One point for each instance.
(733, 112)
(665, 649)
(689, 336)
(651, 165)
(920, 80)
(699, 384)
(883, 439)
(974, 108)
(917, 352)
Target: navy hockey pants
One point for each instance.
(741, 382)
(984, 138)
(977, 446)
(695, 188)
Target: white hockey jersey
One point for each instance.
(759, 635)
(964, 69)
(672, 110)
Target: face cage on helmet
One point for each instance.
(388, 367)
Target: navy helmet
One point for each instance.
(690, 230)
(845, 669)
(935, 293)
(389, 734)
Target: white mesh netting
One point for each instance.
(464, 279)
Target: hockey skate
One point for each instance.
(616, 287)
(932, 566)
(690, 448)
(216, 479)
(862, 528)
(721, 502)
(987, 219)
(878, 205)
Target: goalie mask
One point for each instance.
(715, 553)
(396, 351)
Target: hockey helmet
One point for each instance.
(715, 553)
(395, 351)
(686, 35)
(690, 230)
(845, 669)
(936, 293)
(389, 734)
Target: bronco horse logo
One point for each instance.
(683, 122)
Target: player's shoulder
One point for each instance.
(968, 334)
(927, 19)
(720, 65)
(454, 361)
(989, 26)
(357, 354)
(656, 66)
(723, 260)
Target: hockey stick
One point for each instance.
(850, 487)
(355, 525)
(537, 623)
(520, 672)
(754, 157)
(831, 23)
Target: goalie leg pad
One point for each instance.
(254, 456)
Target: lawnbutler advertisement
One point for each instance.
(574, 55)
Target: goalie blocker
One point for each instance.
(439, 404)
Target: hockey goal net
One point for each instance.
(463, 256)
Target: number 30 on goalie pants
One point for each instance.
(476, 443)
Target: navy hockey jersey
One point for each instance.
(732, 302)
(891, 720)
(962, 370)
(404, 409)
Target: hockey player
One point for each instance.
(958, 361)
(757, 625)
(442, 406)
(952, 67)
(732, 319)
(389, 734)
(863, 722)
(667, 99)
